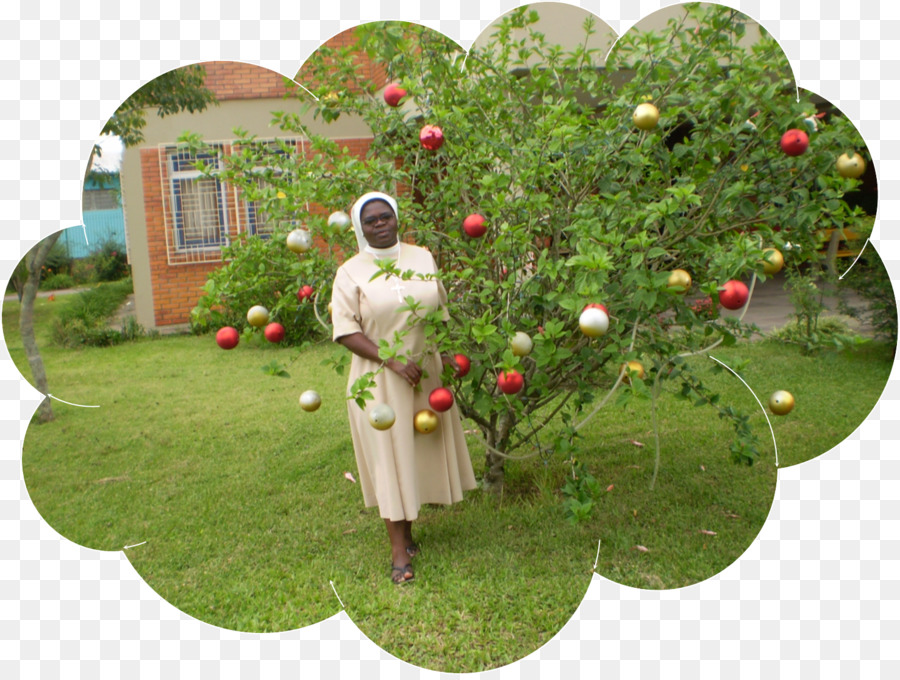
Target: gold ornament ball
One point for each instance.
(679, 280)
(773, 261)
(257, 316)
(645, 116)
(852, 167)
(426, 421)
(781, 403)
(633, 369)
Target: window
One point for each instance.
(195, 207)
(202, 214)
(257, 219)
(100, 199)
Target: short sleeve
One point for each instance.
(345, 316)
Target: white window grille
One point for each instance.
(203, 214)
(195, 207)
(256, 220)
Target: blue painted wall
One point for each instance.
(100, 226)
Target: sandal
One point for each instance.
(412, 550)
(402, 574)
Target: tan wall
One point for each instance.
(562, 24)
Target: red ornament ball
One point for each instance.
(228, 337)
(510, 382)
(393, 93)
(440, 399)
(305, 293)
(794, 142)
(733, 295)
(464, 365)
(474, 225)
(274, 332)
(431, 137)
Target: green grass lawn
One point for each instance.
(246, 518)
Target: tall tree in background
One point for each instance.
(182, 89)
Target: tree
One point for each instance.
(582, 206)
(34, 260)
(178, 90)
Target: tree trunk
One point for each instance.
(34, 261)
(493, 469)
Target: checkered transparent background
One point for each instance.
(815, 595)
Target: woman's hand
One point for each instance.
(450, 360)
(410, 372)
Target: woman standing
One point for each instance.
(399, 468)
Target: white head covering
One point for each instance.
(355, 213)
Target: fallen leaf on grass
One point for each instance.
(703, 467)
(349, 531)
(349, 475)
(610, 487)
(636, 442)
(731, 515)
(707, 533)
(641, 548)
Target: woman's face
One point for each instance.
(379, 225)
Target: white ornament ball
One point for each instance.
(593, 322)
(381, 417)
(310, 400)
(299, 241)
(339, 219)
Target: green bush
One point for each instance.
(869, 278)
(264, 272)
(57, 262)
(58, 282)
(84, 321)
(828, 332)
(110, 262)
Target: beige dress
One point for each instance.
(399, 468)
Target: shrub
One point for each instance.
(828, 332)
(869, 278)
(84, 321)
(110, 262)
(57, 262)
(58, 282)
(259, 274)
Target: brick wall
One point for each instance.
(236, 80)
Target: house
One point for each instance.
(102, 217)
(177, 220)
